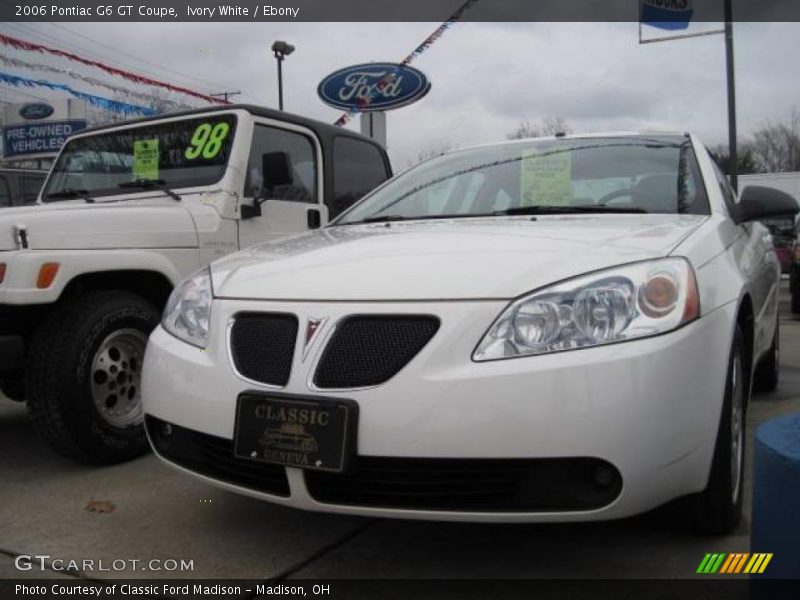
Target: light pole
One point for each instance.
(733, 156)
(281, 50)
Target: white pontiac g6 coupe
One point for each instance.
(553, 329)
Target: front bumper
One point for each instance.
(649, 407)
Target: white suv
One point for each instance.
(129, 210)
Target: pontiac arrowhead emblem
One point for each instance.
(313, 325)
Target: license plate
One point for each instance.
(307, 433)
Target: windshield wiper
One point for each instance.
(578, 208)
(144, 184)
(517, 210)
(379, 219)
(69, 193)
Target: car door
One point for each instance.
(755, 254)
(283, 183)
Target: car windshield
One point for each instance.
(625, 174)
(172, 154)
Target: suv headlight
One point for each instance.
(188, 309)
(624, 303)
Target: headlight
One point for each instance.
(624, 303)
(189, 309)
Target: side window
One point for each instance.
(282, 166)
(358, 168)
(5, 192)
(29, 187)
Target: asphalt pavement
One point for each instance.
(158, 513)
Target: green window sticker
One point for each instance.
(207, 140)
(145, 159)
(546, 179)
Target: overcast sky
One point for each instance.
(486, 77)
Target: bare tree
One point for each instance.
(746, 158)
(776, 146)
(547, 126)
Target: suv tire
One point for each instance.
(83, 376)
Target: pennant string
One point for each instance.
(141, 79)
(22, 64)
(116, 106)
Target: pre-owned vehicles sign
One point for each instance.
(39, 129)
(38, 138)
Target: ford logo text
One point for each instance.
(373, 86)
(35, 110)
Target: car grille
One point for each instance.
(370, 349)
(213, 457)
(557, 484)
(262, 346)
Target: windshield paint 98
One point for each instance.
(625, 174)
(183, 153)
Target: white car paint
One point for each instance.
(650, 407)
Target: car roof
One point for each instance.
(653, 135)
(320, 128)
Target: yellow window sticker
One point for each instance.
(546, 179)
(145, 159)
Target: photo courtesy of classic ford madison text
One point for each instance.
(302, 302)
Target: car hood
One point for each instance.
(499, 257)
(154, 223)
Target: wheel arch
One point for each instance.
(151, 285)
(745, 319)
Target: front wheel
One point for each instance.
(718, 508)
(83, 376)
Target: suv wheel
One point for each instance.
(83, 376)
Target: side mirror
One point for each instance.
(276, 171)
(250, 211)
(758, 202)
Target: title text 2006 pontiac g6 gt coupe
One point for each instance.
(546, 330)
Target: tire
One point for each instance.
(83, 376)
(767, 373)
(718, 508)
(794, 289)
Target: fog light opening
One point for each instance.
(604, 476)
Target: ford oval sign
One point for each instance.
(35, 111)
(373, 86)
